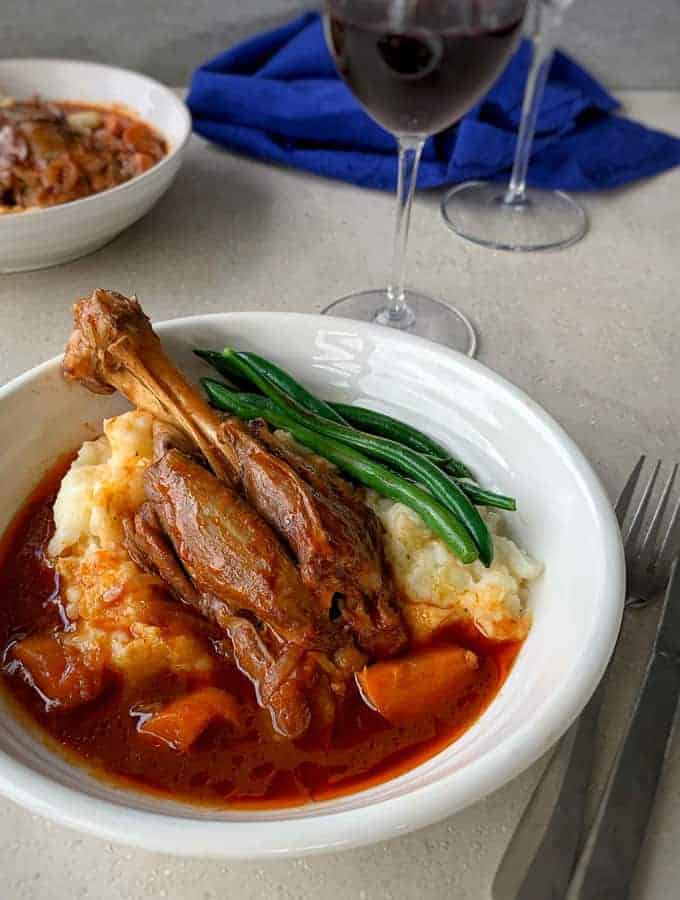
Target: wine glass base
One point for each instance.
(546, 220)
(426, 317)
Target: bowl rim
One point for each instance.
(174, 152)
(252, 837)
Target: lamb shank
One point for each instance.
(272, 546)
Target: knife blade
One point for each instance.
(605, 869)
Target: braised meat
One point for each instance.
(218, 556)
(113, 347)
(52, 153)
(226, 549)
(359, 593)
(326, 588)
(274, 678)
(332, 534)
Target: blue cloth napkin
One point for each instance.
(277, 97)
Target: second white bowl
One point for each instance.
(58, 234)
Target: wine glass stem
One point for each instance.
(546, 21)
(410, 149)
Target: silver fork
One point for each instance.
(648, 558)
(540, 857)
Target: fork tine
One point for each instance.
(638, 515)
(626, 494)
(665, 547)
(650, 550)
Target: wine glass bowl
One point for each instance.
(417, 68)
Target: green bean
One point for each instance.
(242, 405)
(223, 365)
(284, 382)
(364, 470)
(385, 426)
(378, 423)
(456, 468)
(406, 461)
(363, 419)
(481, 497)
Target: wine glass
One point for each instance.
(417, 66)
(519, 217)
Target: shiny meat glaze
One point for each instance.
(334, 538)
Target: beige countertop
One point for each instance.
(591, 332)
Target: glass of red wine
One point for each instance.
(417, 66)
(518, 217)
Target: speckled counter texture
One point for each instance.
(591, 332)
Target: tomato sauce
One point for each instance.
(57, 152)
(257, 768)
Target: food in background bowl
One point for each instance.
(55, 152)
(214, 611)
(64, 231)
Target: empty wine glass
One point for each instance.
(417, 67)
(519, 217)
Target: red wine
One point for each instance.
(417, 80)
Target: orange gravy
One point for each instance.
(258, 769)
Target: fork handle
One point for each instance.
(606, 866)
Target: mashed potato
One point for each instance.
(122, 618)
(436, 589)
(103, 486)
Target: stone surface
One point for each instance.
(590, 332)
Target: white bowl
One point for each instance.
(45, 237)
(565, 520)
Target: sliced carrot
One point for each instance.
(140, 138)
(142, 162)
(58, 672)
(405, 688)
(113, 124)
(62, 174)
(181, 722)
